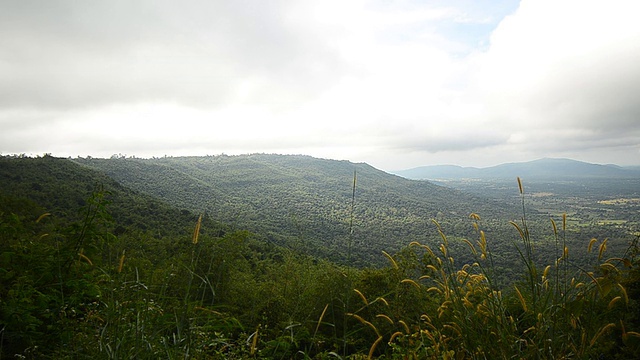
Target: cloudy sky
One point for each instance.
(396, 84)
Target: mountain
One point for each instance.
(157, 283)
(439, 172)
(301, 201)
(542, 169)
(62, 188)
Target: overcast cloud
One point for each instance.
(396, 84)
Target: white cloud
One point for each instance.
(568, 64)
(97, 53)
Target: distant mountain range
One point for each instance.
(542, 169)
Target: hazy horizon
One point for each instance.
(391, 170)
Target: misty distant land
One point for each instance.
(541, 169)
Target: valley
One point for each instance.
(613, 203)
(306, 203)
(274, 256)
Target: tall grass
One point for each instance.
(346, 294)
(563, 311)
(157, 317)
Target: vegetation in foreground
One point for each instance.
(75, 289)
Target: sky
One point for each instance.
(395, 84)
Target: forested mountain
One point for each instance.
(303, 202)
(61, 187)
(108, 258)
(542, 169)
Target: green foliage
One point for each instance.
(298, 201)
(563, 311)
(77, 290)
(117, 274)
(43, 273)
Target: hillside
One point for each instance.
(302, 201)
(542, 169)
(146, 285)
(61, 187)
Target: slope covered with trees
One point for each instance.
(301, 201)
(92, 269)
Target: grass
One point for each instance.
(217, 297)
(558, 311)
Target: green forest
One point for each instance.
(291, 257)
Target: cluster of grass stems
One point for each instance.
(560, 311)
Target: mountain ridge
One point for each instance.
(296, 199)
(545, 168)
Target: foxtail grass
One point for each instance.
(563, 311)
